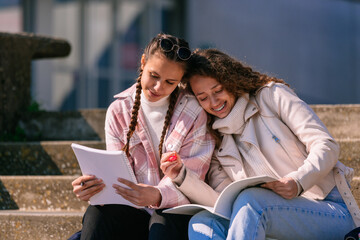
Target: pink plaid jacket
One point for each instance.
(187, 135)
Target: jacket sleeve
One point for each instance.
(115, 127)
(195, 151)
(322, 150)
(191, 185)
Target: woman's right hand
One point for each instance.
(87, 186)
(171, 164)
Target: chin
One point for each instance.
(218, 115)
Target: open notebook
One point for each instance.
(108, 166)
(223, 204)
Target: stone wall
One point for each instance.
(16, 53)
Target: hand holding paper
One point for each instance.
(139, 194)
(107, 166)
(87, 186)
(285, 187)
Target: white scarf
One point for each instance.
(234, 124)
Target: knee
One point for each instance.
(201, 217)
(200, 224)
(255, 197)
(93, 216)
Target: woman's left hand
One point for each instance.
(285, 187)
(139, 194)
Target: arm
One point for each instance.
(195, 153)
(322, 150)
(190, 185)
(115, 123)
(217, 178)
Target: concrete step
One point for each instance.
(350, 154)
(41, 158)
(55, 193)
(57, 157)
(17, 224)
(39, 225)
(341, 120)
(39, 193)
(355, 189)
(87, 124)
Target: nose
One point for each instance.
(158, 86)
(213, 101)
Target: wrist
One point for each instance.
(178, 180)
(157, 202)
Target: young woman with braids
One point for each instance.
(151, 118)
(262, 128)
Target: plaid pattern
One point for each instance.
(187, 135)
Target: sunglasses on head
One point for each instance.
(167, 45)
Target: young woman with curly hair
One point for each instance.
(151, 118)
(262, 128)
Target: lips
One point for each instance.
(220, 108)
(154, 94)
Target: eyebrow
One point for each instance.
(170, 79)
(174, 80)
(210, 89)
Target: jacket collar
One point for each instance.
(228, 148)
(252, 107)
(127, 93)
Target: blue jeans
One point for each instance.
(260, 213)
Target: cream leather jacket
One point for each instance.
(303, 147)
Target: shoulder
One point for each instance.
(274, 92)
(273, 87)
(123, 101)
(126, 93)
(187, 103)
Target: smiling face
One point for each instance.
(212, 96)
(160, 76)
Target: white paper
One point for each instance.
(223, 204)
(108, 166)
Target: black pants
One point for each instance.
(125, 222)
(168, 226)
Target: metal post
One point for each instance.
(82, 86)
(115, 51)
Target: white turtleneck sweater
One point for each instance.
(154, 113)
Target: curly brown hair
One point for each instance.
(234, 76)
(152, 48)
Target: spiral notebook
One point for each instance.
(108, 166)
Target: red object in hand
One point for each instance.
(172, 158)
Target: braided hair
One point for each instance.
(152, 48)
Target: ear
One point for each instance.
(142, 62)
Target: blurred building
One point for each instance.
(313, 45)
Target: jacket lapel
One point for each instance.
(230, 158)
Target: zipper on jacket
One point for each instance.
(276, 139)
